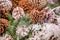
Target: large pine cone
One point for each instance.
(48, 31)
(3, 25)
(36, 16)
(26, 5)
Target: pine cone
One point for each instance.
(38, 3)
(17, 13)
(15, 3)
(26, 6)
(3, 25)
(48, 31)
(6, 3)
(3, 11)
(36, 16)
(22, 31)
(49, 15)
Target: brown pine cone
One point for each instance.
(36, 16)
(1, 28)
(3, 25)
(4, 21)
(26, 6)
(15, 3)
(3, 12)
(38, 3)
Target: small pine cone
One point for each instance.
(26, 6)
(3, 25)
(17, 13)
(38, 3)
(36, 16)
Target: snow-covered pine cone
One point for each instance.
(48, 31)
(3, 25)
(17, 13)
(22, 31)
(6, 3)
(6, 37)
(4, 11)
(49, 15)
